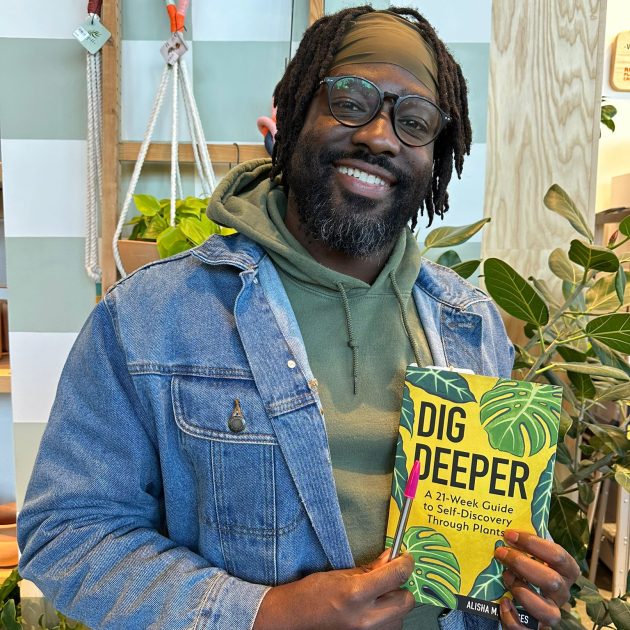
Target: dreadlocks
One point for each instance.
(296, 89)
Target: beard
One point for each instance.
(351, 224)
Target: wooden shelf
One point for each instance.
(228, 153)
(5, 375)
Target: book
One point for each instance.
(486, 447)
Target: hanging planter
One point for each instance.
(153, 237)
(173, 224)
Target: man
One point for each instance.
(227, 419)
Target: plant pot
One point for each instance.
(134, 254)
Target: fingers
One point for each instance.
(550, 582)
(382, 560)
(388, 577)
(546, 551)
(509, 616)
(544, 609)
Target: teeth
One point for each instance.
(362, 176)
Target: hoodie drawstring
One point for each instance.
(403, 312)
(351, 340)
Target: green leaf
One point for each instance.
(611, 330)
(563, 455)
(588, 593)
(512, 410)
(620, 284)
(194, 230)
(466, 268)
(624, 228)
(622, 477)
(544, 291)
(592, 369)
(449, 258)
(155, 226)
(613, 439)
(619, 611)
(609, 357)
(513, 294)
(407, 412)
(489, 584)
(569, 620)
(450, 236)
(562, 267)
(171, 242)
(565, 424)
(443, 383)
(593, 256)
(568, 527)
(558, 201)
(586, 494)
(598, 613)
(436, 578)
(147, 205)
(614, 393)
(541, 497)
(9, 584)
(602, 296)
(582, 385)
(8, 617)
(400, 475)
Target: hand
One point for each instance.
(362, 598)
(531, 560)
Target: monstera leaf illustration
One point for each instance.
(489, 583)
(436, 578)
(448, 385)
(540, 500)
(400, 474)
(407, 411)
(512, 410)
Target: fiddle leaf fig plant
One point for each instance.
(578, 337)
(192, 226)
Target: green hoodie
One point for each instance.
(333, 311)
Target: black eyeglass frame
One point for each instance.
(397, 100)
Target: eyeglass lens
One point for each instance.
(355, 101)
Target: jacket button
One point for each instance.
(236, 422)
(291, 363)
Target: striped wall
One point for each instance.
(237, 54)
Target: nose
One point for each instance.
(379, 136)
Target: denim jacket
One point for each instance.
(149, 506)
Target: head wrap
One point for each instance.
(385, 37)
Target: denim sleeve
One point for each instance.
(497, 349)
(89, 530)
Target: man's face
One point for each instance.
(337, 201)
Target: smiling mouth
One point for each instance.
(362, 176)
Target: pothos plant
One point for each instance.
(192, 226)
(577, 337)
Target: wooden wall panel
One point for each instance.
(543, 123)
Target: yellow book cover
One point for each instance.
(486, 448)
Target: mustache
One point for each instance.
(329, 157)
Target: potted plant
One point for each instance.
(152, 237)
(579, 339)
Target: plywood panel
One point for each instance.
(543, 123)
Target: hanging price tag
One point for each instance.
(92, 35)
(173, 48)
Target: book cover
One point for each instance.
(486, 448)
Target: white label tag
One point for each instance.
(173, 48)
(92, 35)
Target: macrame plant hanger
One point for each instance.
(176, 69)
(94, 171)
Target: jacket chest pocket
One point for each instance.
(248, 500)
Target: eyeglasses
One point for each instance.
(355, 101)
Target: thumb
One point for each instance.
(389, 576)
(380, 561)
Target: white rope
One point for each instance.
(174, 146)
(157, 104)
(198, 134)
(93, 141)
(198, 141)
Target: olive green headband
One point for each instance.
(384, 37)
